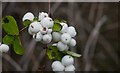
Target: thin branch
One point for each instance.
(94, 34)
(23, 29)
(12, 62)
(39, 60)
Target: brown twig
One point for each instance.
(23, 29)
(12, 62)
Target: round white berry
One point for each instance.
(57, 66)
(34, 27)
(44, 30)
(67, 60)
(72, 42)
(4, 48)
(42, 15)
(49, 31)
(61, 46)
(28, 16)
(47, 22)
(70, 68)
(29, 31)
(47, 38)
(64, 28)
(55, 44)
(38, 36)
(71, 30)
(65, 38)
(56, 36)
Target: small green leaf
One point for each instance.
(73, 54)
(63, 21)
(9, 24)
(18, 48)
(56, 27)
(8, 39)
(53, 53)
(56, 21)
(27, 22)
(35, 19)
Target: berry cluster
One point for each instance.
(64, 37)
(66, 64)
(41, 30)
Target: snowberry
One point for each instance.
(72, 42)
(55, 44)
(47, 38)
(57, 66)
(67, 60)
(28, 16)
(34, 27)
(42, 15)
(38, 36)
(47, 22)
(56, 36)
(71, 30)
(61, 46)
(49, 31)
(70, 68)
(4, 48)
(44, 30)
(64, 27)
(65, 38)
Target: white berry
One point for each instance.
(72, 42)
(70, 68)
(38, 36)
(47, 38)
(65, 38)
(67, 60)
(71, 30)
(29, 31)
(56, 36)
(61, 46)
(42, 15)
(49, 31)
(47, 22)
(44, 30)
(28, 16)
(34, 27)
(64, 27)
(4, 48)
(57, 66)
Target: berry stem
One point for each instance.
(49, 13)
(23, 29)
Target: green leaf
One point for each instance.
(73, 54)
(8, 39)
(35, 19)
(18, 48)
(9, 24)
(53, 53)
(27, 22)
(56, 21)
(56, 27)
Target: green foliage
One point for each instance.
(9, 24)
(73, 54)
(8, 39)
(18, 46)
(53, 53)
(35, 19)
(27, 22)
(57, 26)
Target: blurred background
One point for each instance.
(97, 35)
